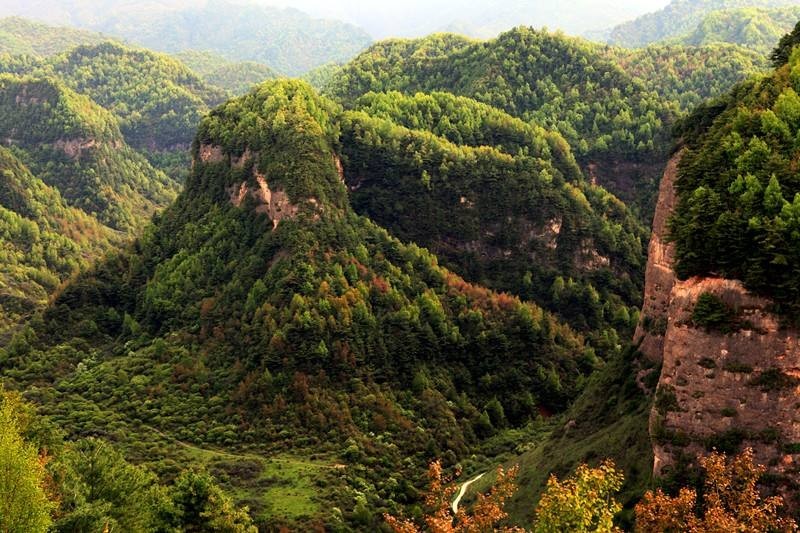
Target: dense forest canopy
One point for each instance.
(739, 196)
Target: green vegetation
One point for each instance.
(158, 101)
(235, 77)
(287, 40)
(320, 334)
(682, 17)
(53, 484)
(739, 207)
(490, 192)
(24, 37)
(556, 81)
(42, 241)
(712, 313)
(754, 28)
(76, 147)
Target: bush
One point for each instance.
(712, 314)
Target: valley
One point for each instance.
(261, 273)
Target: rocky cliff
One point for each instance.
(725, 385)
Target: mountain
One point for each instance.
(614, 112)
(685, 17)
(19, 36)
(76, 147)
(235, 77)
(260, 299)
(758, 29)
(158, 100)
(287, 40)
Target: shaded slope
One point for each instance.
(76, 147)
(42, 241)
(500, 201)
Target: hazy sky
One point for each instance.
(383, 18)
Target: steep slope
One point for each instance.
(260, 312)
(286, 40)
(19, 36)
(76, 147)
(721, 296)
(687, 76)
(43, 241)
(678, 18)
(500, 201)
(235, 77)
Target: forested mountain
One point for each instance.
(686, 17)
(287, 40)
(295, 300)
(755, 28)
(235, 77)
(310, 327)
(738, 208)
(502, 203)
(19, 36)
(76, 147)
(614, 107)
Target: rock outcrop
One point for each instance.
(724, 387)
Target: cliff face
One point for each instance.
(717, 389)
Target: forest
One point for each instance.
(397, 293)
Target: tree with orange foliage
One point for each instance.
(731, 502)
(485, 515)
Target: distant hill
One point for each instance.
(19, 36)
(235, 77)
(286, 40)
(755, 28)
(680, 18)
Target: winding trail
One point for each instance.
(464, 487)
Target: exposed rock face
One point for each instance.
(210, 153)
(739, 386)
(275, 204)
(659, 276)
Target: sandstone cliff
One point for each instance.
(719, 388)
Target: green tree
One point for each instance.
(584, 502)
(24, 505)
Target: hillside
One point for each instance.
(500, 202)
(683, 17)
(19, 36)
(614, 107)
(311, 329)
(236, 78)
(754, 28)
(76, 147)
(158, 101)
(43, 242)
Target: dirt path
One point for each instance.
(464, 487)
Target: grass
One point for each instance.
(279, 486)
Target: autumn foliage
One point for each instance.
(731, 502)
(485, 515)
